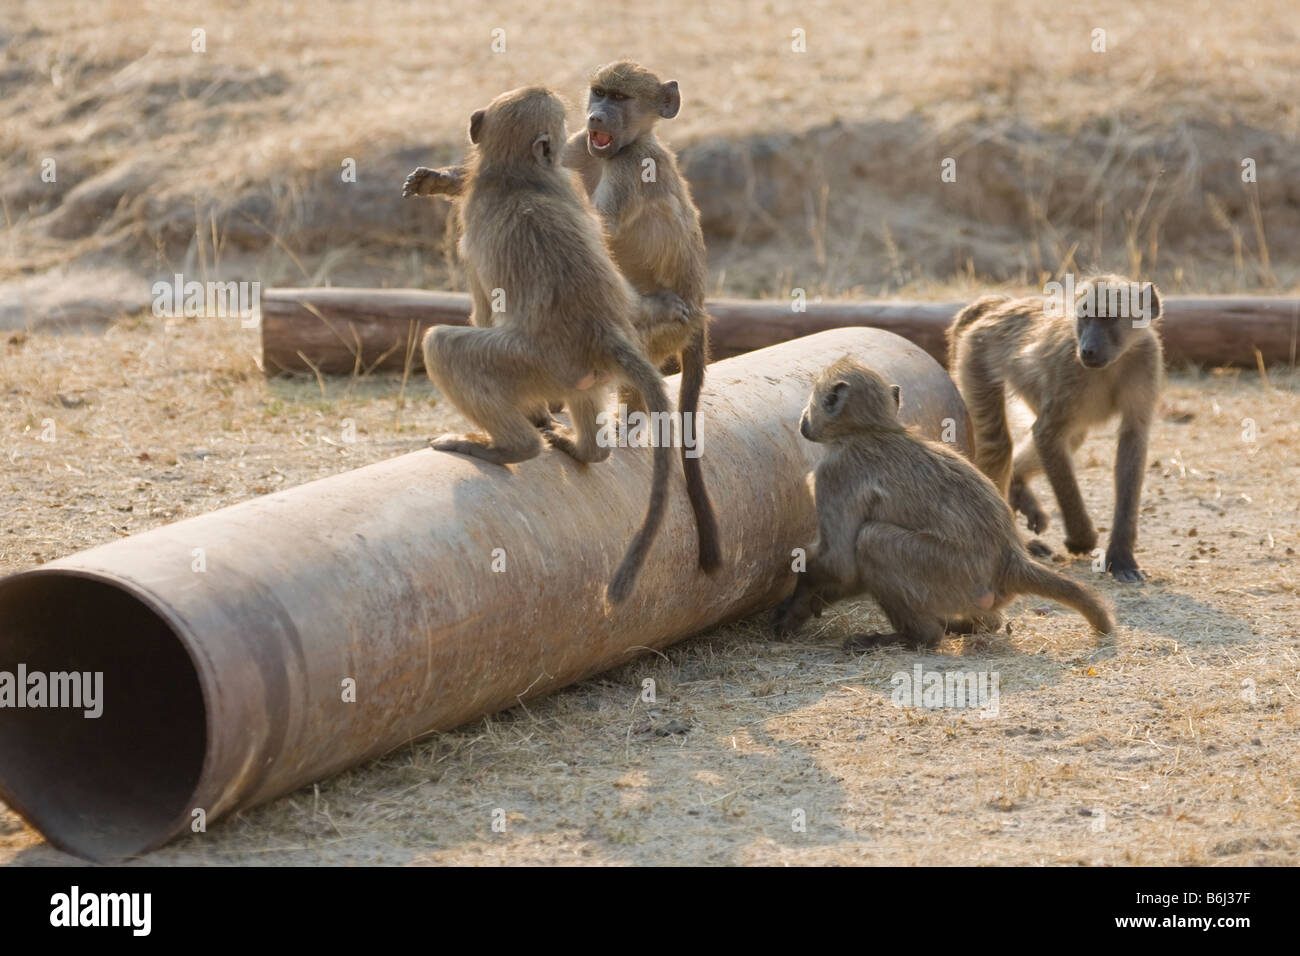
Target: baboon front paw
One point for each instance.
(415, 181)
(789, 615)
(1124, 568)
(424, 181)
(1036, 520)
(1081, 544)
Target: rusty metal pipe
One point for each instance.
(226, 641)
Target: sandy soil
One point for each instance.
(1175, 740)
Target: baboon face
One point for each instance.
(1107, 316)
(847, 398)
(625, 101)
(521, 125)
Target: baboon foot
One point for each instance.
(1124, 568)
(1039, 548)
(1082, 543)
(565, 440)
(479, 446)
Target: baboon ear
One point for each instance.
(898, 395)
(476, 125)
(542, 150)
(834, 401)
(671, 99)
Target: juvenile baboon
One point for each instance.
(909, 522)
(654, 235)
(1098, 359)
(566, 333)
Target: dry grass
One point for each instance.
(161, 421)
(228, 161)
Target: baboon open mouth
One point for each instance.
(600, 139)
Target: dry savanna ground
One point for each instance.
(1174, 740)
(818, 169)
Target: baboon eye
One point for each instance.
(597, 92)
(619, 96)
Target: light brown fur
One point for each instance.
(654, 235)
(566, 330)
(655, 238)
(998, 344)
(909, 522)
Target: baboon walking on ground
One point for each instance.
(1099, 359)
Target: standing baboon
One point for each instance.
(566, 331)
(654, 235)
(1101, 357)
(909, 522)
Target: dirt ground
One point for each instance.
(1175, 740)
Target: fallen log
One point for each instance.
(264, 646)
(346, 331)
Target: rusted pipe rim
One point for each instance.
(121, 783)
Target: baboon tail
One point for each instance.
(1029, 576)
(981, 306)
(645, 378)
(694, 357)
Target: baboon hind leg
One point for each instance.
(911, 574)
(986, 400)
(457, 359)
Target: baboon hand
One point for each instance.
(1081, 543)
(675, 308)
(424, 181)
(1123, 567)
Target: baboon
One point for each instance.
(654, 235)
(1098, 359)
(566, 333)
(909, 522)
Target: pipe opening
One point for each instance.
(108, 786)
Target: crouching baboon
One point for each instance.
(1099, 357)
(909, 522)
(566, 332)
(654, 235)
